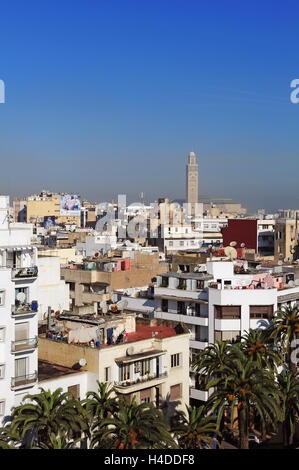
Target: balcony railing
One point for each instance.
(140, 380)
(28, 272)
(23, 380)
(24, 344)
(26, 309)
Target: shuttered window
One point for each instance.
(21, 367)
(145, 395)
(21, 331)
(261, 311)
(75, 390)
(175, 392)
(227, 312)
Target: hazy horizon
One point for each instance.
(107, 98)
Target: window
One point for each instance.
(107, 373)
(2, 371)
(227, 312)
(21, 296)
(261, 311)
(75, 390)
(124, 372)
(145, 367)
(2, 334)
(176, 360)
(21, 367)
(21, 331)
(164, 305)
(227, 335)
(200, 284)
(181, 308)
(181, 242)
(170, 243)
(2, 298)
(175, 392)
(145, 395)
(2, 407)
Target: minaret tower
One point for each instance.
(192, 182)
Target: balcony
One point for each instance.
(25, 309)
(24, 273)
(24, 345)
(140, 381)
(23, 381)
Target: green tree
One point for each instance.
(258, 346)
(9, 439)
(132, 427)
(285, 328)
(196, 429)
(101, 404)
(48, 413)
(288, 383)
(209, 361)
(244, 388)
(61, 441)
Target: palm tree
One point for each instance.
(9, 439)
(197, 429)
(285, 327)
(132, 427)
(244, 386)
(101, 404)
(288, 383)
(60, 442)
(48, 413)
(258, 347)
(210, 360)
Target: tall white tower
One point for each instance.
(192, 182)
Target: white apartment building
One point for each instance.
(18, 311)
(221, 302)
(52, 291)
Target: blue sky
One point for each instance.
(108, 97)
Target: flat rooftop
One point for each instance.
(49, 370)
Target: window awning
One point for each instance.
(139, 357)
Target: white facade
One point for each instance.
(52, 290)
(215, 305)
(18, 312)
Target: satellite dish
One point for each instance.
(285, 260)
(279, 262)
(232, 243)
(230, 252)
(82, 362)
(21, 296)
(291, 284)
(130, 351)
(242, 245)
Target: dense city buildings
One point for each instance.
(130, 295)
